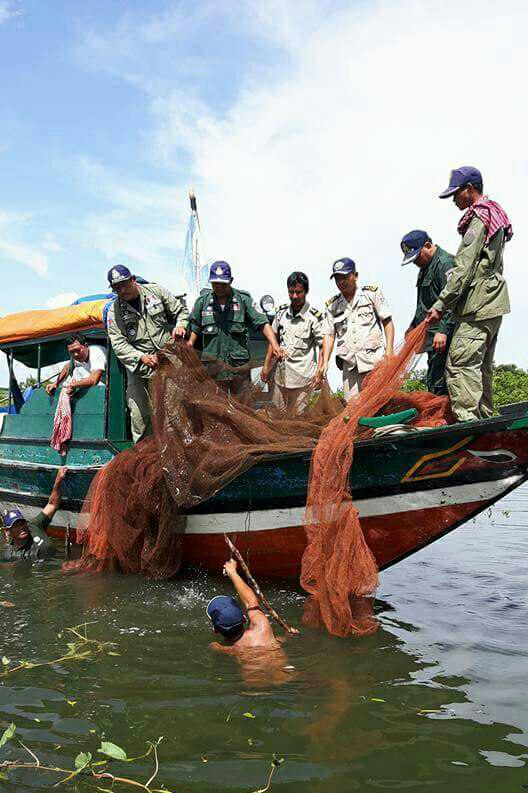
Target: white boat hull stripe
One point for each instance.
(263, 519)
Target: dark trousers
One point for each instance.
(436, 363)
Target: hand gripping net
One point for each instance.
(204, 437)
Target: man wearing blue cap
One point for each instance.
(221, 319)
(140, 322)
(240, 631)
(28, 540)
(476, 293)
(359, 318)
(435, 267)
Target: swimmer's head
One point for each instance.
(16, 528)
(227, 617)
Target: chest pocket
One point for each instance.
(427, 291)
(236, 324)
(302, 337)
(156, 312)
(365, 316)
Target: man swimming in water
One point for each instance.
(249, 637)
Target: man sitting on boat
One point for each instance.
(28, 540)
(435, 266)
(359, 318)
(299, 329)
(140, 322)
(221, 319)
(477, 294)
(85, 368)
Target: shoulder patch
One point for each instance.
(332, 299)
(469, 236)
(371, 287)
(316, 313)
(283, 307)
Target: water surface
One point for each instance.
(436, 701)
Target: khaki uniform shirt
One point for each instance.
(147, 330)
(357, 327)
(476, 289)
(300, 335)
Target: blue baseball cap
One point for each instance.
(11, 516)
(343, 267)
(118, 274)
(412, 244)
(220, 273)
(461, 177)
(226, 615)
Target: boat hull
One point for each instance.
(409, 491)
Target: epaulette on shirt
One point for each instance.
(284, 306)
(317, 314)
(371, 287)
(332, 299)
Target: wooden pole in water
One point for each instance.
(256, 589)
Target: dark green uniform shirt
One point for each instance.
(431, 281)
(225, 332)
(38, 546)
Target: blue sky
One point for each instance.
(310, 131)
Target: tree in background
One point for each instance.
(510, 384)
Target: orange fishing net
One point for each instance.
(204, 437)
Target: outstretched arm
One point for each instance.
(245, 593)
(54, 500)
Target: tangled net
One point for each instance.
(204, 437)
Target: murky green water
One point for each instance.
(435, 701)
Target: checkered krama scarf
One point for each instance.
(491, 214)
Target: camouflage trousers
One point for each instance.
(469, 368)
(138, 403)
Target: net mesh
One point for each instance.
(205, 436)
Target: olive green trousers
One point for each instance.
(469, 368)
(138, 402)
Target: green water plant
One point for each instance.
(79, 649)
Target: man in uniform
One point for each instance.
(477, 294)
(359, 318)
(299, 330)
(141, 321)
(221, 318)
(435, 267)
(28, 540)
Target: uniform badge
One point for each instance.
(219, 271)
(338, 266)
(115, 274)
(448, 274)
(131, 332)
(469, 237)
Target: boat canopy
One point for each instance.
(26, 332)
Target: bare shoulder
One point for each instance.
(221, 648)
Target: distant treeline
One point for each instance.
(510, 383)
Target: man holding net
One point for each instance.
(477, 294)
(221, 320)
(140, 322)
(435, 266)
(360, 319)
(299, 328)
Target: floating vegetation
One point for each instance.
(81, 648)
(88, 767)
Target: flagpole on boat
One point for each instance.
(196, 242)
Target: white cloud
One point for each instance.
(348, 147)
(13, 247)
(64, 299)
(8, 11)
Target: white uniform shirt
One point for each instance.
(96, 361)
(300, 335)
(357, 327)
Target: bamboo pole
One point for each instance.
(256, 588)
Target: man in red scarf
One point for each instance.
(477, 294)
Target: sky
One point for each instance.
(310, 130)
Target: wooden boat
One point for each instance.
(409, 490)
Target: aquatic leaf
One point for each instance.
(432, 710)
(376, 699)
(71, 702)
(249, 715)
(114, 653)
(8, 734)
(204, 759)
(82, 760)
(250, 741)
(112, 750)
(3, 776)
(5, 661)
(37, 720)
